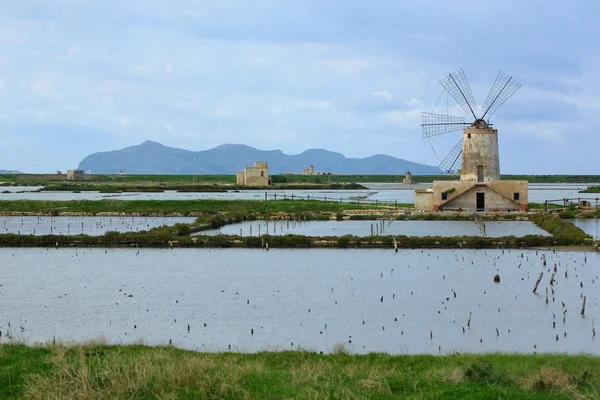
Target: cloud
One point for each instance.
(385, 95)
(291, 75)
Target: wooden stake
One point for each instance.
(583, 306)
(538, 282)
(552, 279)
(546, 295)
(593, 329)
(469, 321)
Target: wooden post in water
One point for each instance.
(267, 246)
(593, 328)
(583, 306)
(552, 278)
(395, 245)
(469, 321)
(546, 295)
(250, 230)
(538, 282)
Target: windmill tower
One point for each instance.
(475, 154)
(478, 148)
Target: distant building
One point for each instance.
(308, 170)
(311, 171)
(75, 175)
(407, 178)
(254, 176)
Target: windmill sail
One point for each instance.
(457, 85)
(452, 162)
(502, 89)
(437, 124)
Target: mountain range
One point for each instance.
(154, 158)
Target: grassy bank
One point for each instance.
(99, 371)
(558, 227)
(170, 207)
(177, 237)
(156, 187)
(591, 189)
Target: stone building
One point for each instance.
(479, 187)
(75, 175)
(258, 175)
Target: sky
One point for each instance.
(82, 76)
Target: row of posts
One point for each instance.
(324, 198)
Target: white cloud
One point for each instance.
(401, 117)
(385, 95)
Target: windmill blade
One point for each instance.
(453, 161)
(502, 89)
(457, 85)
(437, 124)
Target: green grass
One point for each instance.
(557, 226)
(591, 189)
(167, 178)
(166, 207)
(100, 371)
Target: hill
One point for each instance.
(155, 158)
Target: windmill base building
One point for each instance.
(479, 187)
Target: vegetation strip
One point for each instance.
(100, 371)
(558, 227)
(172, 207)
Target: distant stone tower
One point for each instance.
(480, 159)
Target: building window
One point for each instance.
(468, 135)
(516, 196)
(262, 174)
(444, 196)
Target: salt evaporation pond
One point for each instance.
(591, 226)
(383, 192)
(363, 228)
(413, 301)
(93, 226)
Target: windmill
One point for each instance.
(476, 153)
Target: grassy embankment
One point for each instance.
(175, 207)
(591, 189)
(110, 187)
(99, 371)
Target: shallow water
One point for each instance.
(387, 192)
(93, 226)
(413, 301)
(363, 228)
(590, 226)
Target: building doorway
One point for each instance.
(480, 173)
(480, 201)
